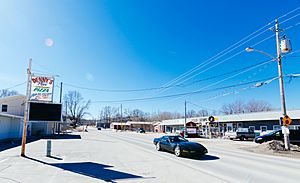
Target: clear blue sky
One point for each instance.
(133, 44)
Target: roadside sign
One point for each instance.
(285, 130)
(191, 130)
(211, 119)
(41, 88)
(286, 120)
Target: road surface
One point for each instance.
(109, 156)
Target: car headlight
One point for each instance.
(258, 138)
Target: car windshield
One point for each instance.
(176, 139)
(273, 132)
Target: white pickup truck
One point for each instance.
(241, 133)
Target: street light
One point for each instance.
(280, 76)
(285, 48)
(283, 106)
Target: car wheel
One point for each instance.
(242, 138)
(177, 151)
(157, 146)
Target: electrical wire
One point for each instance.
(209, 61)
(213, 58)
(201, 107)
(225, 79)
(180, 94)
(250, 87)
(171, 86)
(14, 86)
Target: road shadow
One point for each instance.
(91, 169)
(12, 143)
(204, 158)
(196, 157)
(54, 157)
(63, 136)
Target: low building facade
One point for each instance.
(11, 119)
(260, 122)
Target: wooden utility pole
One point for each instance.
(122, 117)
(184, 132)
(26, 110)
(281, 87)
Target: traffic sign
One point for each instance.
(286, 120)
(211, 119)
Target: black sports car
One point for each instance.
(179, 145)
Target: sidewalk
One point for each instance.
(73, 160)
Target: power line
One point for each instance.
(263, 63)
(217, 82)
(20, 84)
(222, 52)
(180, 94)
(171, 86)
(201, 107)
(265, 82)
(291, 76)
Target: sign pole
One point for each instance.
(26, 109)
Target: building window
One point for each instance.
(276, 127)
(263, 128)
(4, 108)
(252, 128)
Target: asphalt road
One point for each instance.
(224, 162)
(108, 156)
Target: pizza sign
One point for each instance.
(41, 88)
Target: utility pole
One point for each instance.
(60, 94)
(60, 101)
(184, 119)
(280, 74)
(122, 116)
(26, 111)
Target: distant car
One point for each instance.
(140, 130)
(277, 135)
(179, 146)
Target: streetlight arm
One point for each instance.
(250, 49)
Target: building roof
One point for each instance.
(139, 123)
(10, 115)
(114, 123)
(13, 97)
(257, 116)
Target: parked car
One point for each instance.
(277, 135)
(241, 133)
(179, 146)
(140, 130)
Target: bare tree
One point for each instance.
(7, 93)
(137, 115)
(234, 108)
(227, 109)
(109, 113)
(76, 107)
(257, 106)
(202, 113)
(238, 107)
(191, 113)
